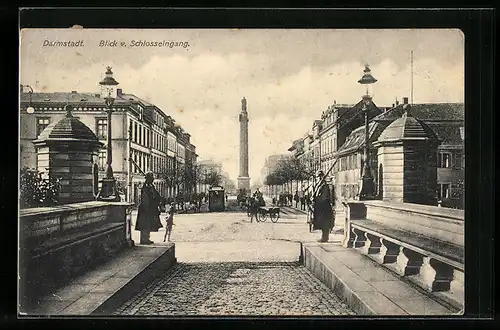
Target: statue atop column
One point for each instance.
(243, 178)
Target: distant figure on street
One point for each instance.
(257, 194)
(296, 199)
(148, 215)
(253, 209)
(323, 212)
(303, 203)
(169, 222)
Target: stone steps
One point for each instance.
(367, 287)
(108, 286)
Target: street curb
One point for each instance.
(153, 270)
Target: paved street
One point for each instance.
(229, 266)
(267, 288)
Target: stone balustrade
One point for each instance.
(423, 244)
(59, 243)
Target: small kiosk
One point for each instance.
(216, 199)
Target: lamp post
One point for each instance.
(30, 110)
(108, 188)
(367, 184)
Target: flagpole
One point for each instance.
(411, 101)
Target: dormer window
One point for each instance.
(47, 99)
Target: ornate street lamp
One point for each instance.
(108, 91)
(367, 184)
(30, 110)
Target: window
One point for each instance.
(135, 162)
(41, 124)
(458, 160)
(444, 160)
(140, 135)
(102, 160)
(135, 132)
(444, 191)
(101, 128)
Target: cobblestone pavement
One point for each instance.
(236, 288)
(230, 266)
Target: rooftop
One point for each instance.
(68, 129)
(426, 112)
(407, 127)
(356, 139)
(83, 99)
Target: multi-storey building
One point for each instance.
(342, 135)
(139, 128)
(318, 148)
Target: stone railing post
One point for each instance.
(372, 245)
(388, 252)
(457, 285)
(435, 275)
(348, 233)
(360, 239)
(408, 262)
(128, 226)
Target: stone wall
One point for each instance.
(59, 243)
(391, 159)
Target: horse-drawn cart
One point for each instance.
(265, 211)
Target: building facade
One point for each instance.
(139, 129)
(341, 140)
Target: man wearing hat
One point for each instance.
(148, 215)
(323, 211)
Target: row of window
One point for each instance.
(140, 135)
(449, 159)
(329, 145)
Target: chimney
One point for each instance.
(73, 92)
(397, 102)
(97, 95)
(119, 92)
(405, 100)
(393, 105)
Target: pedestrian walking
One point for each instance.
(323, 212)
(148, 214)
(169, 222)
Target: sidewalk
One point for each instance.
(367, 287)
(104, 288)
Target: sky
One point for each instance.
(287, 76)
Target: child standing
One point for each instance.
(170, 222)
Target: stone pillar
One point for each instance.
(243, 178)
(66, 150)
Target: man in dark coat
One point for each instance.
(323, 211)
(148, 215)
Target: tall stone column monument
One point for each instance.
(243, 178)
